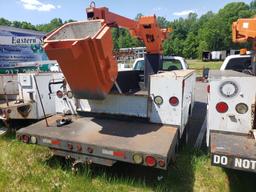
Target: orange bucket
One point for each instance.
(84, 53)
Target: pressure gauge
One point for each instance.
(229, 89)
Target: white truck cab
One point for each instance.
(170, 63)
(240, 63)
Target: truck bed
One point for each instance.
(128, 136)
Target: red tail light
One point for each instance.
(25, 139)
(174, 101)
(222, 107)
(161, 163)
(150, 161)
(59, 94)
(90, 150)
(79, 148)
(208, 89)
(70, 146)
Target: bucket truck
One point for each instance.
(123, 116)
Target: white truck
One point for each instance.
(169, 63)
(141, 128)
(231, 119)
(239, 63)
(121, 116)
(26, 96)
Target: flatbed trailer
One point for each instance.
(105, 141)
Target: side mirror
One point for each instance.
(206, 73)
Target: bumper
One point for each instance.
(234, 151)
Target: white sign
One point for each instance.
(20, 40)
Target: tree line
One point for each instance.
(190, 37)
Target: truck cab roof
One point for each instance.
(169, 63)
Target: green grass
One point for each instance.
(199, 65)
(33, 168)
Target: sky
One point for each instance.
(42, 11)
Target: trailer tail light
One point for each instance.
(90, 150)
(137, 158)
(33, 140)
(79, 148)
(70, 146)
(150, 161)
(70, 94)
(222, 107)
(25, 138)
(161, 163)
(118, 153)
(158, 100)
(208, 88)
(55, 142)
(174, 101)
(241, 108)
(59, 94)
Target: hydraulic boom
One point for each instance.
(84, 50)
(244, 30)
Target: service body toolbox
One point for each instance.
(231, 120)
(140, 128)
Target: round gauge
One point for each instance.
(229, 89)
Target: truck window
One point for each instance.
(171, 64)
(239, 64)
(139, 65)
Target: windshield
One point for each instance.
(239, 64)
(171, 64)
(139, 65)
(168, 65)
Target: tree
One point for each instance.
(138, 16)
(163, 23)
(5, 22)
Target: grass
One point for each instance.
(33, 168)
(199, 65)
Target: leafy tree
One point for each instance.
(163, 23)
(5, 22)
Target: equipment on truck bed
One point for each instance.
(84, 50)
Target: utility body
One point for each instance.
(231, 118)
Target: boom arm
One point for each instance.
(244, 30)
(146, 28)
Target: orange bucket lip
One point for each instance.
(84, 52)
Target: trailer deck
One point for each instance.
(231, 150)
(110, 139)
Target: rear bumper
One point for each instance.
(105, 142)
(232, 150)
